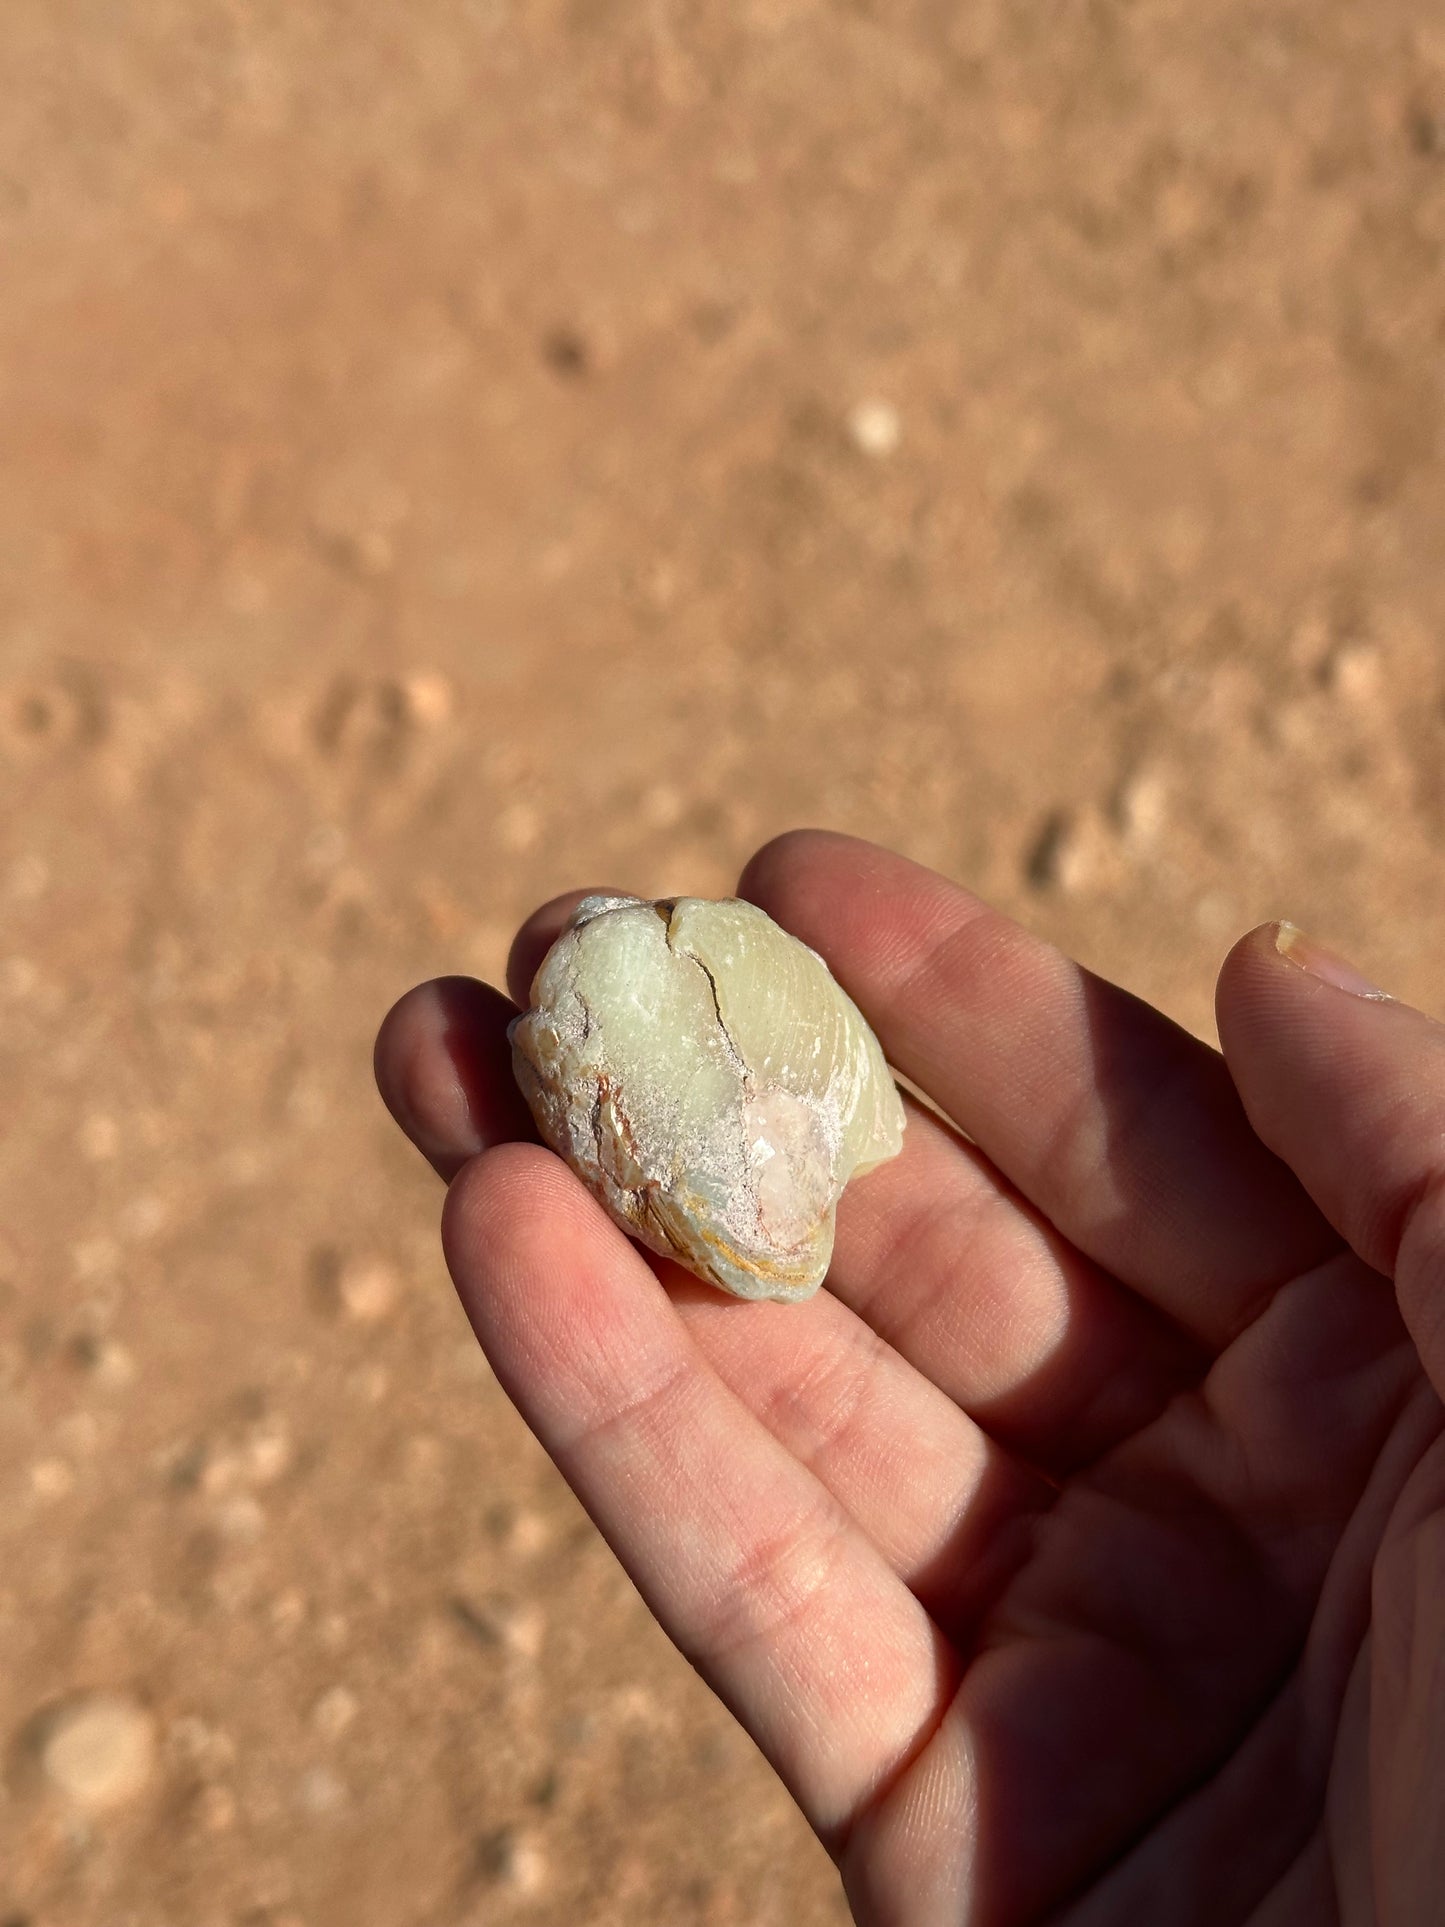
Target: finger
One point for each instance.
(756, 1573)
(950, 1511)
(1121, 1128)
(948, 1264)
(961, 1276)
(444, 1069)
(1348, 1087)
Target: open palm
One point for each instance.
(1079, 1552)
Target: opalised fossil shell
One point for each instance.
(709, 1081)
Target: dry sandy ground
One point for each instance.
(456, 451)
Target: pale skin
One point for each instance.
(1078, 1553)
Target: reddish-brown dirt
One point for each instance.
(454, 452)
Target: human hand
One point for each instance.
(1079, 1552)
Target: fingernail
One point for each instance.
(1290, 941)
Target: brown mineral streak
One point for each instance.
(777, 1273)
(624, 1123)
(689, 1204)
(650, 1193)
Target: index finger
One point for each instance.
(1122, 1128)
(758, 1574)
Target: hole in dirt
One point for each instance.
(566, 353)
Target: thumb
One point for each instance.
(1348, 1087)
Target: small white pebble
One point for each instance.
(527, 1871)
(367, 1288)
(1071, 853)
(527, 1533)
(1141, 806)
(524, 1629)
(99, 1751)
(515, 1859)
(51, 1478)
(1353, 672)
(875, 427)
(429, 698)
(268, 1453)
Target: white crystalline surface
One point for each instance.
(710, 1082)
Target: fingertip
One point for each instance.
(1275, 974)
(809, 880)
(537, 935)
(779, 861)
(1260, 942)
(1259, 945)
(399, 1053)
(1338, 1079)
(444, 1070)
(491, 1195)
(1247, 964)
(1273, 958)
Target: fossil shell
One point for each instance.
(710, 1083)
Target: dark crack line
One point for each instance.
(735, 1053)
